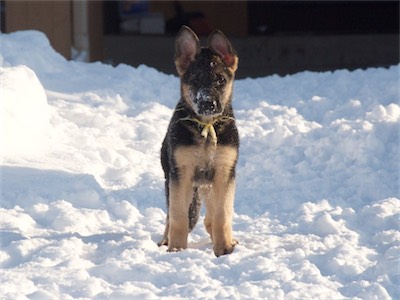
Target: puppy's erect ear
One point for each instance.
(187, 47)
(220, 45)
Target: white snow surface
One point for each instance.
(317, 205)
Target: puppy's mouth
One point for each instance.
(206, 104)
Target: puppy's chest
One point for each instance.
(198, 162)
(204, 166)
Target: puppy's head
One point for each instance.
(207, 74)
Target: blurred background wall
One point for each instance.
(271, 37)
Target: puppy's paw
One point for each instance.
(164, 242)
(174, 249)
(224, 250)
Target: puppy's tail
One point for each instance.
(194, 209)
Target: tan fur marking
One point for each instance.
(186, 94)
(220, 203)
(180, 66)
(227, 93)
(190, 157)
(181, 193)
(235, 65)
(219, 196)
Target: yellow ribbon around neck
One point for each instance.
(208, 128)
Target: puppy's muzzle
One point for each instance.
(206, 104)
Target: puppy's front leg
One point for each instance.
(222, 218)
(181, 193)
(221, 204)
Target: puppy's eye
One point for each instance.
(220, 80)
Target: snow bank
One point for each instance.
(82, 200)
(23, 113)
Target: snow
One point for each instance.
(23, 110)
(317, 205)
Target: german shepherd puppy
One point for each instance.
(200, 150)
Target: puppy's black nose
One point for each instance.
(206, 107)
(206, 104)
(209, 107)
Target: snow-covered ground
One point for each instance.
(82, 201)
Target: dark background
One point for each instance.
(271, 37)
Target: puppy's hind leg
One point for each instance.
(194, 209)
(164, 241)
